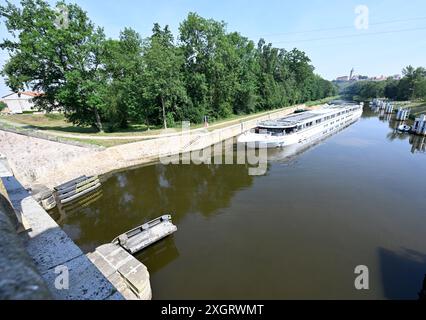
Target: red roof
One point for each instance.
(27, 93)
(31, 93)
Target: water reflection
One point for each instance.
(131, 198)
(396, 135)
(402, 272)
(385, 116)
(288, 154)
(418, 144)
(159, 255)
(62, 212)
(296, 232)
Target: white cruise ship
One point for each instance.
(300, 128)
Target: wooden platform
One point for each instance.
(75, 189)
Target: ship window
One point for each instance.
(318, 121)
(272, 131)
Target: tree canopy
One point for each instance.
(159, 80)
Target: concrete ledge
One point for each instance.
(19, 277)
(127, 274)
(50, 247)
(85, 282)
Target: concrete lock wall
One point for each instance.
(193, 141)
(65, 270)
(19, 278)
(146, 151)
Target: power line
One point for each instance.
(351, 35)
(339, 28)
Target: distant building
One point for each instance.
(344, 78)
(381, 78)
(19, 102)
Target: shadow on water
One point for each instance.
(395, 135)
(402, 272)
(61, 212)
(134, 197)
(159, 255)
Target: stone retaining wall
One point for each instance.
(51, 252)
(19, 278)
(142, 152)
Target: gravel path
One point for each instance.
(162, 134)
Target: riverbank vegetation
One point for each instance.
(408, 92)
(156, 81)
(57, 124)
(411, 87)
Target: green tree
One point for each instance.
(60, 59)
(301, 69)
(203, 43)
(2, 105)
(408, 84)
(391, 89)
(364, 90)
(123, 63)
(270, 93)
(111, 82)
(243, 64)
(164, 86)
(420, 88)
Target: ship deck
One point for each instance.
(295, 119)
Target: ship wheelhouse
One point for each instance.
(275, 130)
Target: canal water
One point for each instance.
(299, 231)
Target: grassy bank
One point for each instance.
(56, 124)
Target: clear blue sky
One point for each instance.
(375, 51)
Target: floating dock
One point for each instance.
(70, 191)
(141, 237)
(76, 188)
